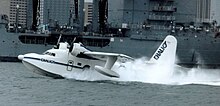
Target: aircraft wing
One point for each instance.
(110, 58)
(105, 55)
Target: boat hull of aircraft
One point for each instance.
(40, 71)
(58, 66)
(45, 65)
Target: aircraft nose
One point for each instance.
(20, 57)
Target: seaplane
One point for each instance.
(64, 58)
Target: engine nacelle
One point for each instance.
(77, 48)
(63, 46)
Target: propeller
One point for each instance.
(72, 44)
(59, 39)
(57, 45)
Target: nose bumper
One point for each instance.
(20, 57)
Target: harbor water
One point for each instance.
(135, 87)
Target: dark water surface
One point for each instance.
(20, 87)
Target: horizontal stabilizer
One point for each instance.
(106, 72)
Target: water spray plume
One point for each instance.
(139, 71)
(160, 69)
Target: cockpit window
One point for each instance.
(45, 53)
(49, 53)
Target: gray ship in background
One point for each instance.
(132, 27)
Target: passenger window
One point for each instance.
(79, 64)
(53, 54)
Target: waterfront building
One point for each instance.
(18, 7)
(59, 11)
(215, 14)
(30, 14)
(158, 14)
(88, 9)
(5, 7)
(203, 10)
(138, 14)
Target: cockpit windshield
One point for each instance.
(49, 53)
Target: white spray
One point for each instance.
(139, 71)
(160, 69)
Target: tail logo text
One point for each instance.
(160, 51)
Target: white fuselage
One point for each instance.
(58, 62)
(65, 59)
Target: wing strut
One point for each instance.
(110, 62)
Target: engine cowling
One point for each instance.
(77, 48)
(62, 46)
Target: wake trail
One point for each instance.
(139, 71)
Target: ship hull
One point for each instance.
(191, 50)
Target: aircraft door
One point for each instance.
(70, 65)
